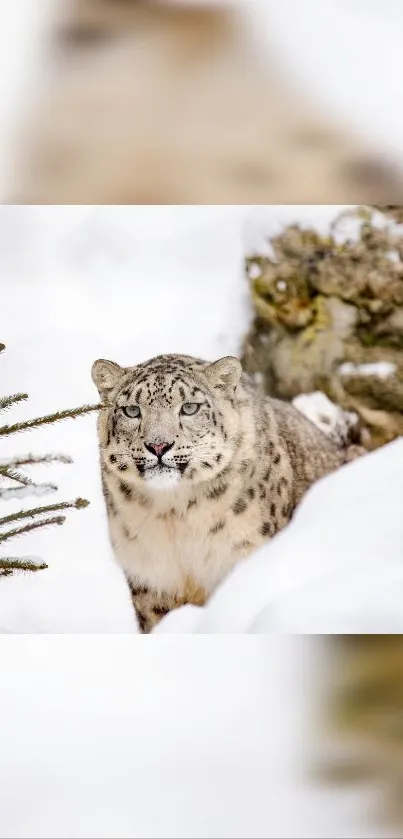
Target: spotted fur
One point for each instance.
(228, 481)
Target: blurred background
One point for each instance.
(201, 101)
(188, 737)
(362, 723)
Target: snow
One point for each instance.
(26, 491)
(379, 369)
(337, 568)
(330, 418)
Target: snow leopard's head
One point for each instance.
(168, 421)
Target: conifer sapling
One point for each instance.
(15, 483)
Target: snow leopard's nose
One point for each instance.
(158, 449)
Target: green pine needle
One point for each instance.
(78, 504)
(9, 564)
(50, 418)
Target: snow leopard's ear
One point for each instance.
(225, 373)
(105, 375)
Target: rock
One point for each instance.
(329, 318)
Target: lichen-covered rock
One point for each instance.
(329, 317)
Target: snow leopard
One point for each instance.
(198, 469)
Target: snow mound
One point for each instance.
(329, 417)
(337, 568)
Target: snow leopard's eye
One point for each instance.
(132, 411)
(189, 408)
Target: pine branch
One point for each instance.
(78, 504)
(24, 491)
(5, 472)
(23, 485)
(28, 486)
(51, 418)
(8, 564)
(28, 459)
(33, 526)
(7, 401)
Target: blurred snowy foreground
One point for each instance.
(129, 283)
(184, 737)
